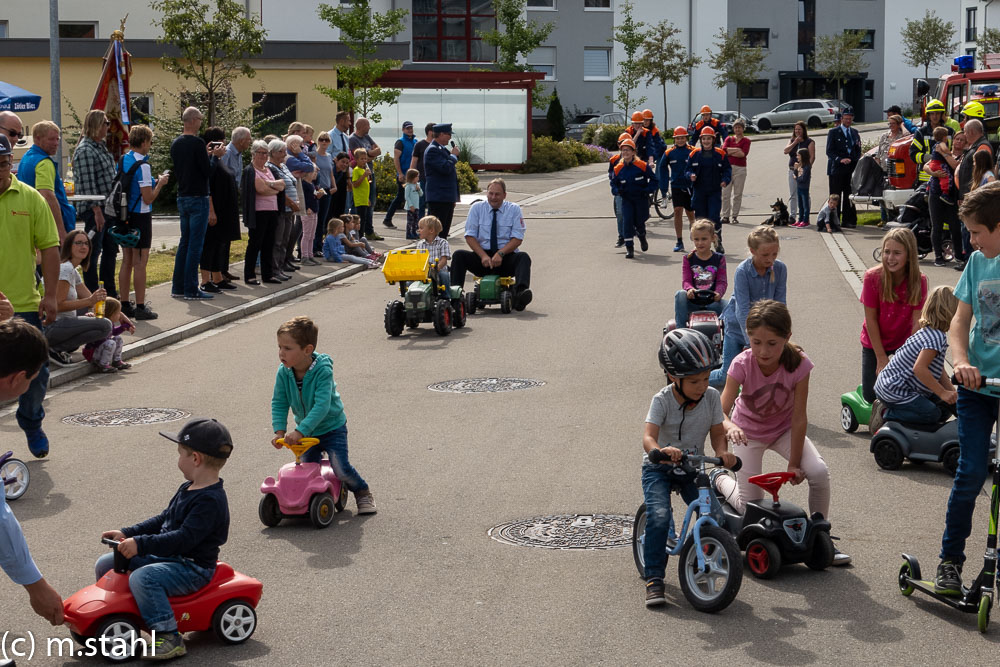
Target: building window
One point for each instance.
(970, 24)
(543, 59)
(754, 37)
(279, 107)
(869, 89)
(78, 30)
(141, 108)
(754, 91)
(867, 39)
(3, 30)
(596, 4)
(450, 30)
(541, 4)
(596, 64)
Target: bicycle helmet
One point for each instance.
(934, 105)
(125, 235)
(974, 109)
(686, 352)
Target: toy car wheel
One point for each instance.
(888, 454)
(715, 589)
(983, 617)
(341, 501)
(269, 511)
(763, 558)
(115, 636)
(822, 554)
(848, 421)
(639, 541)
(16, 470)
(458, 307)
(234, 621)
(470, 302)
(950, 459)
(321, 510)
(394, 318)
(905, 575)
(442, 317)
(506, 301)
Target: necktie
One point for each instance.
(493, 234)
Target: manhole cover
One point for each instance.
(567, 531)
(126, 417)
(484, 385)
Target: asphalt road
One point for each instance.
(421, 582)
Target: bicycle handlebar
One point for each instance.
(983, 381)
(657, 456)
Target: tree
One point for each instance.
(735, 62)
(214, 49)
(988, 42)
(665, 59)
(629, 33)
(926, 41)
(363, 31)
(518, 38)
(838, 57)
(557, 124)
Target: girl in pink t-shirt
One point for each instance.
(767, 389)
(892, 307)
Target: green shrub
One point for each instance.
(557, 126)
(548, 155)
(468, 182)
(607, 136)
(584, 154)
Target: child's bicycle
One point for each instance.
(424, 299)
(302, 489)
(711, 566)
(14, 476)
(977, 598)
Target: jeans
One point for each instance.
(443, 277)
(920, 410)
(103, 253)
(397, 201)
(976, 415)
(683, 307)
(30, 412)
(68, 333)
(732, 344)
(194, 222)
(657, 481)
(155, 578)
(802, 198)
(334, 444)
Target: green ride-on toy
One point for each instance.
(854, 410)
(491, 290)
(423, 299)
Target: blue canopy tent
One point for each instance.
(16, 99)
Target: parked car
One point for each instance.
(575, 129)
(815, 113)
(727, 118)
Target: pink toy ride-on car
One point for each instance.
(302, 489)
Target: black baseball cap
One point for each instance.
(204, 435)
(5, 145)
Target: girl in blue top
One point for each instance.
(760, 276)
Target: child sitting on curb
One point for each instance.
(333, 246)
(106, 354)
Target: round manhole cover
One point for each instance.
(485, 385)
(126, 417)
(567, 531)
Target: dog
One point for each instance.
(779, 214)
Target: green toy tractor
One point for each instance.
(490, 290)
(423, 299)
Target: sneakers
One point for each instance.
(128, 309)
(226, 285)
(169, 645)
(60, 358)
(949, 578)
(388, 223)
(121, 365)
(38, 443)
(373, 237)
(655, 593)
(620, 242)
(960, 266)
(679, 247)
(725, 221)
(734, 221)
(366, 504)
(840, 558)
(643, 243)
(940, 262)
(211, 288)
(102, 368)
(198, 296)
(522, 300)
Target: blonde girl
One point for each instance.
(702, 269)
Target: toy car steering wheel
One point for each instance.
(772, 481)
(300, 448)
(703, 297)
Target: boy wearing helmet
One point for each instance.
(707, 121)
(632, 180)
(709, 172)
(655, 143)
(671, 172)
(681, 416)
(618, 200)
(640, 136)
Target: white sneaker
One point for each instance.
(366, 504)
(840, 558)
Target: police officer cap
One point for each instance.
(442, 127)
(5, 145)
(848, 111)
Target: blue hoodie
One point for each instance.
(317, 408)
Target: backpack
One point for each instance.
(116, 205)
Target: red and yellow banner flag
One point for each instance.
(112, 94)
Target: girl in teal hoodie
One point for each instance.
(305, 384)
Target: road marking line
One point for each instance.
(566, 189)
(847, 260)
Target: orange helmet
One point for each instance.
(623, 136)
(647, 113)
(680, 131)
(706, 109)
(627, 142)
(637, 117)
(708, 131)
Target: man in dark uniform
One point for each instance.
(843, 150)
(442, 179)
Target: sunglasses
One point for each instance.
(324, 141)
(13, 133)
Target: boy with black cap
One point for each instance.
(174, 553)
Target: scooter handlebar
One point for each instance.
(110, 542)
(983, 381)
(657, 456)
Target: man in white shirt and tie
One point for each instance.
(340, 143)
(494, 230)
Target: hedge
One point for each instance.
(548, 155)
(385, 181)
